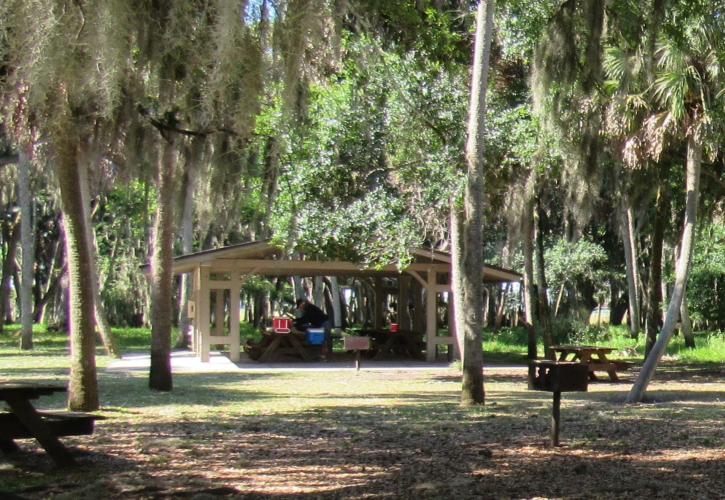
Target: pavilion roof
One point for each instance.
(264, 258)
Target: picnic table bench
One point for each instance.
(23, 421)
(594, 356)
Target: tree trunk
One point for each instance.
(83, 385)
(187, 242)
(654, 288)
(544, 312)
(694, 162)
(318, 292)
(404, 319)
(161, 275)
(12, 237)
(527, 238)
(457, 245)
(686, 324)
(630, 258)
(336, 303)
(501, 310)
(27, 243)
(559, 297)
(468, 276)
(298, 288)
(54, 280)
(104, 329)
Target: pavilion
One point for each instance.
(220, 273)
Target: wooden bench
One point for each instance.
(60, 424)
(23, 421)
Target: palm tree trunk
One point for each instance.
(27, 241)
(470, 273)
(654, 288)
(83, 385)
(630, 260)
(694, 163)
(161, 272)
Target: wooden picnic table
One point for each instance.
(594, 356)
(24, 421)
(389, 344)
(274, 345)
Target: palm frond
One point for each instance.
(670, 89)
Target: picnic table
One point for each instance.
(23, 421)
(274, 345)
(386, 343)
(594, 356)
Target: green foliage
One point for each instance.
(521, 23)
(572, 262)
(122, 250)
(364, 178)
(706, 286)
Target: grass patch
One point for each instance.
(398, 434)
(401, 434)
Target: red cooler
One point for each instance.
(281, 325)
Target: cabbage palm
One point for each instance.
(686, 96)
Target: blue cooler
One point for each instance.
(315, 336)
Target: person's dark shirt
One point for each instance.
(312, 316)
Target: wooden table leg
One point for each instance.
(297, 345)
(271, 348)
(34, 423)
(613, 371)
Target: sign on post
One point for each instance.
(357, 344)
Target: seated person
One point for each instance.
(308, 315)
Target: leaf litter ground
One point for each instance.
(386, 434)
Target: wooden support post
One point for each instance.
(203, 312)
(357, 359)
(234, 337)
(195, 282)
(219, 315)
(431, 314)
(555, 418)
